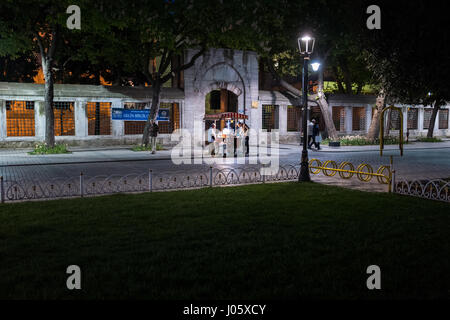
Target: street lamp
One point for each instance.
(306, 47)
(315, 65)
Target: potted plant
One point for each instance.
(334, 143)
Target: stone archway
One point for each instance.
(221, 69)
(222, 76)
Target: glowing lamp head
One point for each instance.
(306, 44)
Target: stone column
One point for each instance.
(81, 121)
(348, 120)
(39, 120)
(448, 127)
(282, 118)
(117, 126)
(420, 118)
(405, 120)
(3, 132)
(368, 117)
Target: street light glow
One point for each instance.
(306, 38)
(315, 66)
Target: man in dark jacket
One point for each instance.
(154, 129)
(316, 135)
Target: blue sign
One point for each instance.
(163, 115)
(138, 115)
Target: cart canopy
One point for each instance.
(225, 115)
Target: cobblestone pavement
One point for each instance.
(422, 162)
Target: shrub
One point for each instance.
(363, 141)
(43, 148)
(148, 148)
(425, 139)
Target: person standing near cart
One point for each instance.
(246, 139)
(212, 137)
(240, 138)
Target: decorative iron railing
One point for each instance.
(17, 190)
(80, 186)
(430, 189)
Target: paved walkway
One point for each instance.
(20, 157)
(421, 161)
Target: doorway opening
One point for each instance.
(218, 101)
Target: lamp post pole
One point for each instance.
(304, 166)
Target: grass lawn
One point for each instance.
(273, 241)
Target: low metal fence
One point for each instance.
(437, 189)
(82, 186)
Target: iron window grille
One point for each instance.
(270, 117)
(64, 118)
(443, 119)
(20, 120)
(99, 118)
(293, 118)
(413, 115)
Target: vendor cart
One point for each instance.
(227, 137)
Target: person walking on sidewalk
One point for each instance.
(317, 138)
(154, 129)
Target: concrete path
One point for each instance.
(420, 161)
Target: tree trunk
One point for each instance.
(359, 88)
(319, 99)
(433, 119)
(374, 128)
(153, 111)
(338, 80)
(323, 104)
(48, 103)
(346, 73)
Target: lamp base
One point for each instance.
(304, 168)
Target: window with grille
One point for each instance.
(338, 115)
(20, 118)
(443, 119)
(134, 127)
(174, 118)
(359, 118)
(64, 114)
(427, 118)
(99, 118)
(395, 120)
(269, 117)
(413, 116)
(293, 118)
(137, 127)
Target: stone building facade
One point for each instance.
(83, 112)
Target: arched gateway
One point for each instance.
(221, 80)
